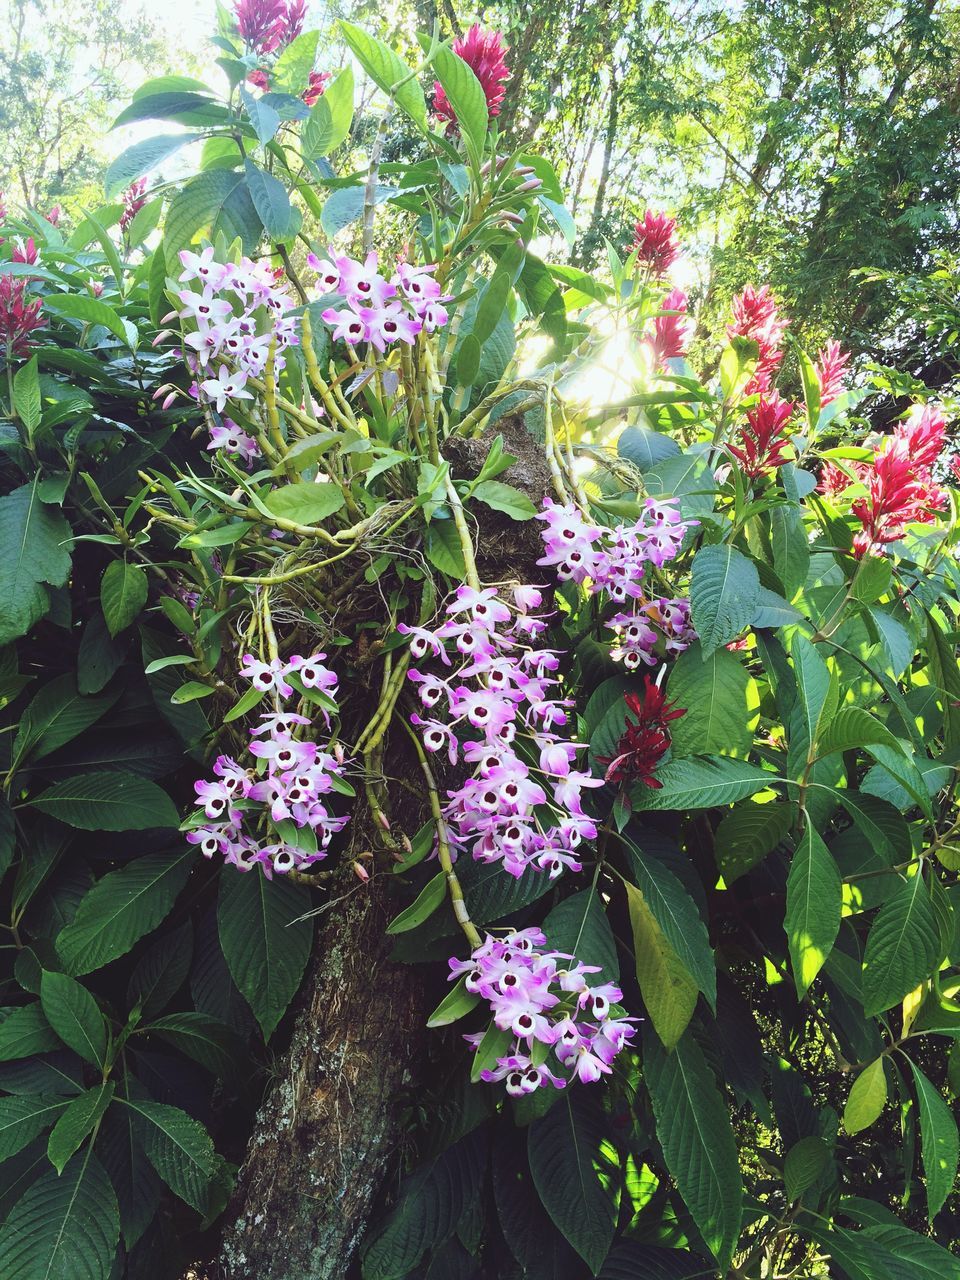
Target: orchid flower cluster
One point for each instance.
(547, 1003)
(237, 317)
(379, 311)
(274, 813)
(614, 561)
(499, 710)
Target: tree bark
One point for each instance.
(325, 1134)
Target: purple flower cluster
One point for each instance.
(498, 707)
(613, 561)
(379, 311)
(274, 813)
(236, 313)
(547, 1003)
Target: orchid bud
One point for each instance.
(383, 820)
(531, 184)
(361, 872)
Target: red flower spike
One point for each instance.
(762, 440)
(643, 744)
(830, 368)
(755, 316)
(483, 52)
(671, 333)
(655, 241)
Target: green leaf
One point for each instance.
(852, 728)
(720, 700)
(505, 498)
(65, 1226)
(578, 926)
(218, 200)
(26, 395)
(26, 1032)
(262, 116)
(693, 1126)
(330, 118)
(940, 1142)
(443, 548)
(455, 1004)
(346, 204)
(902, 948)
(24, 1118)
(791, 551)
(669, 991)
(121, 908)
(805, 1163)
(564, 1149)
(178, 1148)
(724, 590)
(80, 1119)
(646, 448)
(747, 834)
(123, 593)
(814, 894)
(738, 364)
(880, 823)
(75, 1016)
(77, 306)
(428, 1209)
(165, 104)
(108, 801)
(305, 502)
(464, 93)
(207, 1040)
(702, 782)
(35, 539)
(281, 221)
(431, 896)
(867, 1098)
(265, 944)
(388, 71)
(140, 158)
(55, 716)
(677, 916)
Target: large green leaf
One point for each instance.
(35, 540)
(207, 1040)
(305, 502)
(141, 157)
(748, 833)
(429, 1206)
(218, 200)
(65, 1227)
(178, 1148)
(702, 782)
(266, 951)
(578, 926)
(78, 306)
(121, 907)
(668, 989)
(25, 1032)
(465, 95)
(791, 551)
(724, 589)
(903, 946)
(814, 893)
(24, 1118)
(281, 221)
(719, 698)
(853, 728)
(80, 1118)
(868, 1097)
(388, 71)
(567, 1161)
(108, 801)
(74, 1015)
(56, 715)
(699, 1148)
(123, 593)
(940, 1142)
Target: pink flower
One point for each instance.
(655, 242)
(830, 369)
(755, 316)
(133, 201)
(233, 441)
(671, 333)
(483, 52)
(762, 441)
(316, 86)
(18, 317)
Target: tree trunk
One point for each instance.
(324, 1136)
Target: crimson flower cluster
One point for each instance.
(498, 708)
(755, 316)
(671, 331)
(274, 812)
(269, 25)
(655, 242)
(613, 561)
(831, 368)
(644, 741)
(899, 482)
(378, 310)
(134, 198)
(237, 315)
(483, 52)
(762, 440)
(544, 999)
(20, 316)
